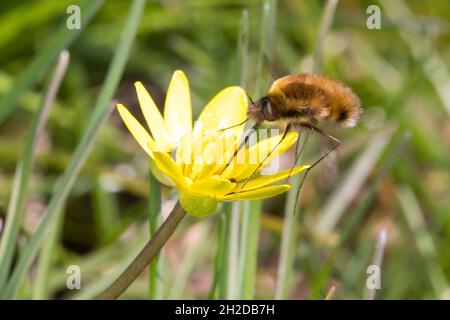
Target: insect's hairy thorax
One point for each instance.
(299, 101)
(307, 98)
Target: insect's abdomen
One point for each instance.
(316, 98)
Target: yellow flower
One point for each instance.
(196, 159)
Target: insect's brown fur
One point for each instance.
(309, 98)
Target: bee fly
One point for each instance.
(304, 101)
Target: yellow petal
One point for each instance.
(137, 130)
(207, 150)
(153, 117)
(248, 160)
(177, 109)
(266, 180)
(184, 153)
(166, 164)
(159, 174)
(225, 148)
(257, 194)
(226, 109)
(212, 186)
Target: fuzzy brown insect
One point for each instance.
(305, 100)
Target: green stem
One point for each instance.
(154, 210)
(223, 257)
(147, 254)
(233, 250)
(249, 248)
(288, 244)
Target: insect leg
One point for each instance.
(336, 142)
(297, 153)
(242, 144)
(266, 157)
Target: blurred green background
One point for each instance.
(392, 171)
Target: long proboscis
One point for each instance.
(234, 126)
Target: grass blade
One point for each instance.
(399, 11)
(24, 168)
(357, 214)
(242, 50)
(248, 254)
(267, 42)
(325, 26)
(101, 110)
(195, 252)
(330, 293)
(289, 239)
(105, 211)
(352, 183)
(222, 265)
(41, 282)
(252, 209)
(62, 40)
(105, 281)
(288, 244)
(424, 241)
(377, 260)
(227, 287)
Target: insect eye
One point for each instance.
(267, 110)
